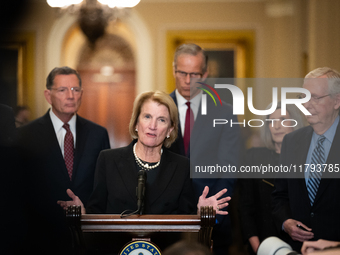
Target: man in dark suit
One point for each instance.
(190, 63)
(312, 201)
(61, 149)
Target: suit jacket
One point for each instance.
(227, 145)
(255, 197)
(116, 182)
(46, 174)
(290, 198)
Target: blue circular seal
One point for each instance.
(140, 248)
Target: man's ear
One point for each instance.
(173, 70)
(337, 101)
(47, 94)
(205, 75)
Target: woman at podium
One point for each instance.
(145, 177)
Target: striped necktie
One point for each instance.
(318, 157)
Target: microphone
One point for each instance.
(140, 191)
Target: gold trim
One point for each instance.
(242, 41)
(24, 43)
(271, 184)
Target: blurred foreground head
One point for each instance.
(187, 248)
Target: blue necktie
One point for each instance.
(318, 157)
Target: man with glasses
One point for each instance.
(60, 150)
(189, 66)
(308, 208)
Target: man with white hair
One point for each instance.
(307, 208)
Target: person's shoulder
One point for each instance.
(173, 94)
(35, 132)
(116, 152)
(5, 109)
(174, 156)
(7, 116)
(181, 163)
(35, 123)
(258, 154)
(90, 124)
(226, 108)
(258, 150)
(299, 132)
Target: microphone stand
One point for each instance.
(140, 193)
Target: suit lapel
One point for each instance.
(302, 147)
(179, 141)
(197, 129)
(301, 151)
(81, 140)
(128, 171)
(167, 170)
(50, 140)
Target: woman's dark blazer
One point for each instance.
(255, 197)
(116, 181)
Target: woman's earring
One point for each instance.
(136, 130)
(167, 136)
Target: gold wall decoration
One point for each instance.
(24, 44)
(241, 42)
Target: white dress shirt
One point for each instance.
(182, 107)
(61, 132)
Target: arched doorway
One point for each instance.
(108, 74)
(66, 45)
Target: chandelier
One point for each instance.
(94, 15)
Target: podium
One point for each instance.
(108, 233)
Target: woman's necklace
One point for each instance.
(141, 164)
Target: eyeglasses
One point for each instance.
(184, 74)
(313, 99)
(64, 90)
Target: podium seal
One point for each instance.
(140, 248)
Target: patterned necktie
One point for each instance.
(189, 124)
(318, 157)
(68, 150)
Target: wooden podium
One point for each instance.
(109, 232)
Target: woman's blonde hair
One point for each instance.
(163, 99)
